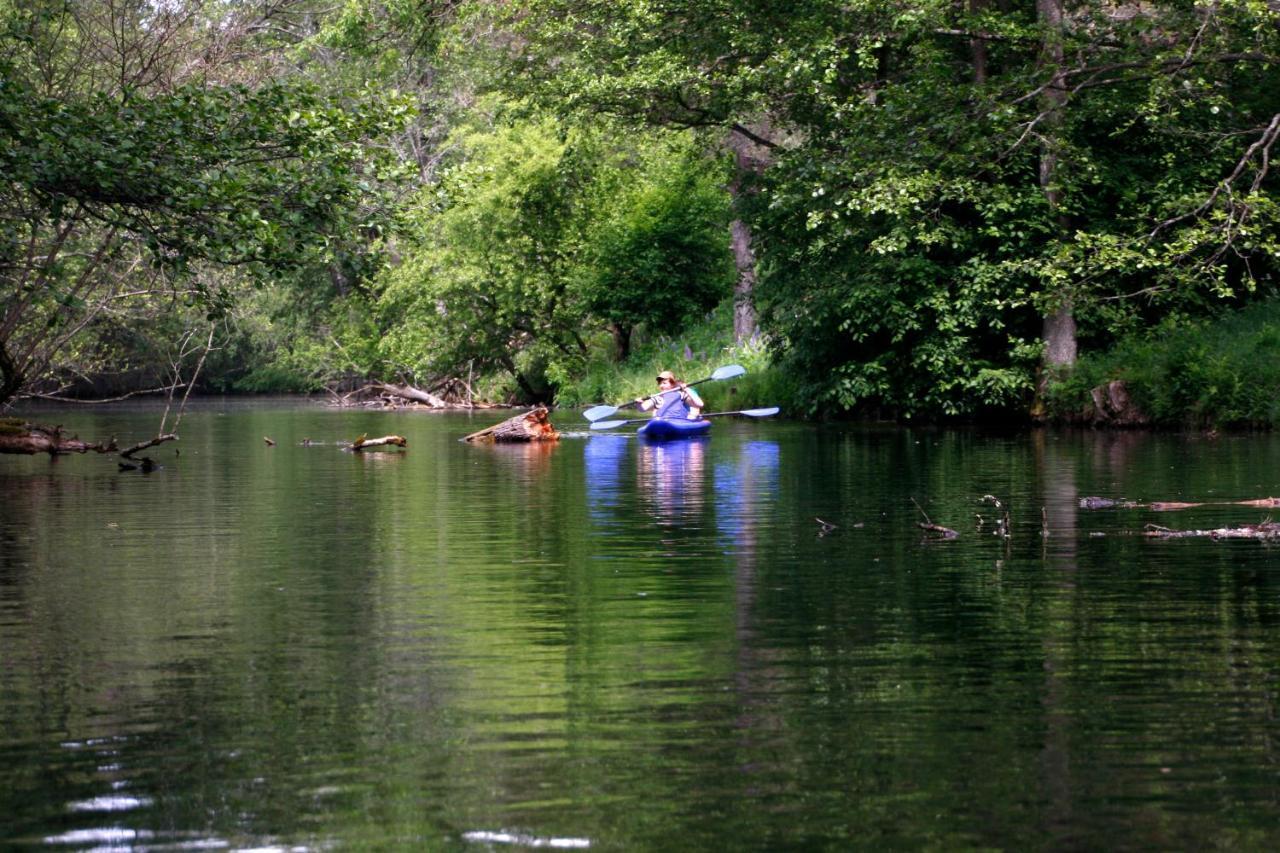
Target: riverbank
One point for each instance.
(1185, 374)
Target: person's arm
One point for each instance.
(647, 403)
(694, 402)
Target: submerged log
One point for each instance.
(18, 436)
(944, 532)
(530, 426)
(1169, 506)
(1265, 530)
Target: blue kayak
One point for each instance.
(664, 429)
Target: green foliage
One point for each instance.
(932, 196)
(1190, 373)
(662, 256)
(511, 262)
(121, 193)
(695, 353)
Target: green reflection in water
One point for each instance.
(633, 646)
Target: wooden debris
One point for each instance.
(143, 445)
(1266, 530)
(449, 393)
(928, 525)
(363, 443)
(944, 532)
(417, 395)
(1170, 506)
(18, 436)
(533, 425)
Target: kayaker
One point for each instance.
(674, 399)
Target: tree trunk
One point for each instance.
(751, 156)
(744, 309)
(978, 47)
(11, 379)
(621, 341)
(530, 426)
(1059, 331)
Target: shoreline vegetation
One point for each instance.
(932, 213)
(1201, 375)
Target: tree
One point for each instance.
(662, 258)
(118, 187)
(954, 188)
(487, 262)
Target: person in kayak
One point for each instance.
(674, 400)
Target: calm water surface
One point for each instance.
(615, 645)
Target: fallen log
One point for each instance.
(533, 425)
(363, 443)
(408, 392)
(1169, 506)
(1264, 530)
(18, 436)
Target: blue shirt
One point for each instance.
(672, 405)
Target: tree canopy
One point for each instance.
(933, 206)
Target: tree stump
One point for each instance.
(531, 426)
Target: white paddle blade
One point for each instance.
(761, 413)
(608, 424)
(729, 371)
(595, 413)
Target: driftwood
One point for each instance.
(18, 436)
(533, 425)
(929, 527)
(944, 532)
(143, 445)
(408, 392)
(446, 394)
(1169, 506)
(363, 443)
(1263, 530)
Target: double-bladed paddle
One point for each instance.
(751, 413)
(729, 371)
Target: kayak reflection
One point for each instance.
(670, 477)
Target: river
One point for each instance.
(740, 643)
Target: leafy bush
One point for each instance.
(1183, 373)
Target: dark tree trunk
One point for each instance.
(978, 47)
(1059, 323)
(621, 341)
(752, 155)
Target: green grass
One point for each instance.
(694, 354)
(1195, 374)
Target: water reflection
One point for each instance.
(284, 647)
(746, 487)
(670, 478)
(602, 460)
